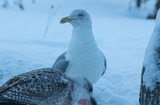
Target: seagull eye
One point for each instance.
(80, 15)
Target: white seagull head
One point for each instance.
(78, 17)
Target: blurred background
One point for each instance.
(31, 37)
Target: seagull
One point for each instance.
(46, 87)
(83, 57)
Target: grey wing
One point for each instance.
(105, 65)
(61, 63)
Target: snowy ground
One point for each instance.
(121, 34)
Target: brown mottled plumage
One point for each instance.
(44, 87)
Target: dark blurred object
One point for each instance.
(19, 3)
(156, 8)
(33, 1)
(139, 2)
(5, 4)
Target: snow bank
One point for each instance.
(152, 60)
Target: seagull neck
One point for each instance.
(82, 38)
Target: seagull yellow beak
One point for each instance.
(66, 19)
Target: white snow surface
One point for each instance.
(122, 35)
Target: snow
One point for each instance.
(152, 72)
(122, 35)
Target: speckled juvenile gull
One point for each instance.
(46, 87)
(83, 57)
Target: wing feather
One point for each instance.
(33, 87)
(61, 63)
